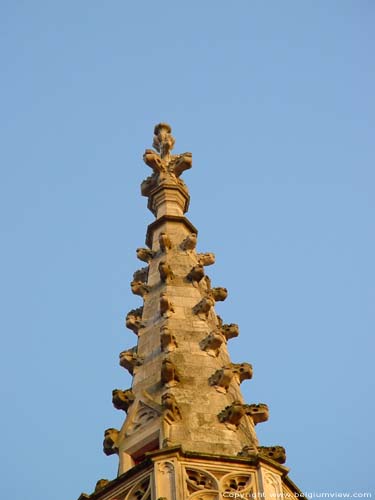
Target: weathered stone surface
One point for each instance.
(130, 360)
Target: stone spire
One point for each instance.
(184, 412)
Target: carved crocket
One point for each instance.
(122, 399)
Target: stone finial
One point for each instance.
(169, 375)
(258, 412)
(122, 399)
(141, 275)
(134, 320)
(110, 440)
(232, 414)
(167, 340)
(145, 254)
(212, 343)
(190, 242)
(169, 405)
(163, 140)
(276, 453)
(206, 259)
(129, 360)
(139, 288)
(166, 306)
(100, 484)
(196, 273)
(164, 242)
(165, 271)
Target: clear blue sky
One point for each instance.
(276, 102)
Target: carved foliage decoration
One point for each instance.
(121, 400)
(134, 320)
(140, 491)
(212, 343)
(166, 306)
(167, 339)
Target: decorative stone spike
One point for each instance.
(166, 306)
(100, 484)
(276, 453)
(110, 440)
(165, 271)
(258, 412)
(141, 275)
(212, 343)
(163, 139)
(139, 288)
(170, 408)
(133, 320)
(206, 259)
(122, 399)
(219, 293)
(164, 242)
(167, 340)
(145, 254)
(196, 274)
(190, 242)
(130, 360)
(169, 376)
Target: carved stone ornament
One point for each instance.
(134, 320)
(166, 167)
(206, 259)
(190, 242)
(230, 331)
(165, 271)
(166, 306)
(204, 307)
(145, 254)
(248, 451)
(164, 242)
(139, 288)
(237, 484)
(276, 453)
(169, 375)
(219, 293)
(212, 343)
(196, 274)
(167, 340)
(110, 440)
(221, 379)
(258, 412)
(129, 360)
(200, 480)
(122, 399)
(232, 414)
(141, 275)
(100, 484)
(170, 408)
